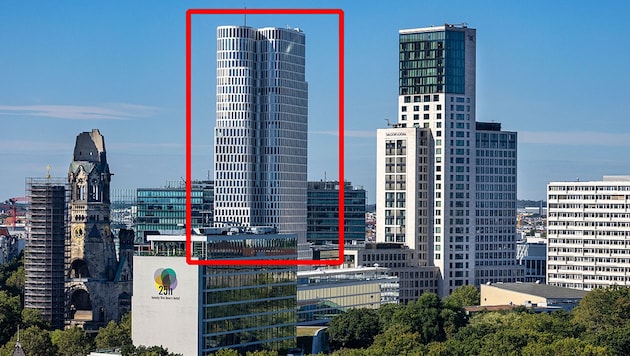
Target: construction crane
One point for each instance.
(12, 219)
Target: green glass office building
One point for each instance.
(163, 210)
(323, 213)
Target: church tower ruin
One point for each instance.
(98, 281)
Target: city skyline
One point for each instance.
(553, 74)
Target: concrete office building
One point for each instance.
(323, 213)
(531, 254)
(261, 129)
(324, 293)
(427, 177)
(44, 257)
(400, 261)
(588, 233)
(495, 205)
(197, 310)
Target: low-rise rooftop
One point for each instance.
(542, 290)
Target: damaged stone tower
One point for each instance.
(98, 281)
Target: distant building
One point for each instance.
(163, 210)
(530, 295)
(44, 257)
(588, 233)
(324, 293)
(10, 245)
(195, 310)
(532, 256)
(323, 213)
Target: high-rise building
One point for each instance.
(588, 233)
(323, 213)
(98, 284)
(495, 205)
(261, 129)
(45, 253)
(427, 163)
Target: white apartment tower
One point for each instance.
(426, 162)
(588, 233)
(261, 128)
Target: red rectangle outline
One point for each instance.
(254, 262)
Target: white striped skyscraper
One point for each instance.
(261, 128)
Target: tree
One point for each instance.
(71, 342)
(447, 348)
(7, 268)
(397, 340)
(262, 353)
(564, 347)
(130, 350)
(386, 314)
(355, 328)
(226, 352)
(112, 335)
(15, 282)
(10, 315)
(453, 318)
(603, 309)
(34, 341)
(463, 296)
(423, 317)
(616, 340)
(33, 317)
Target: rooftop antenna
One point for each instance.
(388, 123)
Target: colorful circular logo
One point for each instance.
(165, 279)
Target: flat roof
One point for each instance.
(462, 26)
(542, 290)
(218, 237)
(341, 271)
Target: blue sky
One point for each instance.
(556, 72)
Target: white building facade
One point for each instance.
(261, 129)
(588, 233)
(426, 162)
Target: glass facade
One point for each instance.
(432, 62)
(323, 213)
(163, 210)
(248, 246)
(249, 308)
(246, 308)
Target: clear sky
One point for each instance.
(556, 72)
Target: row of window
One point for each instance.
(589, 188)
